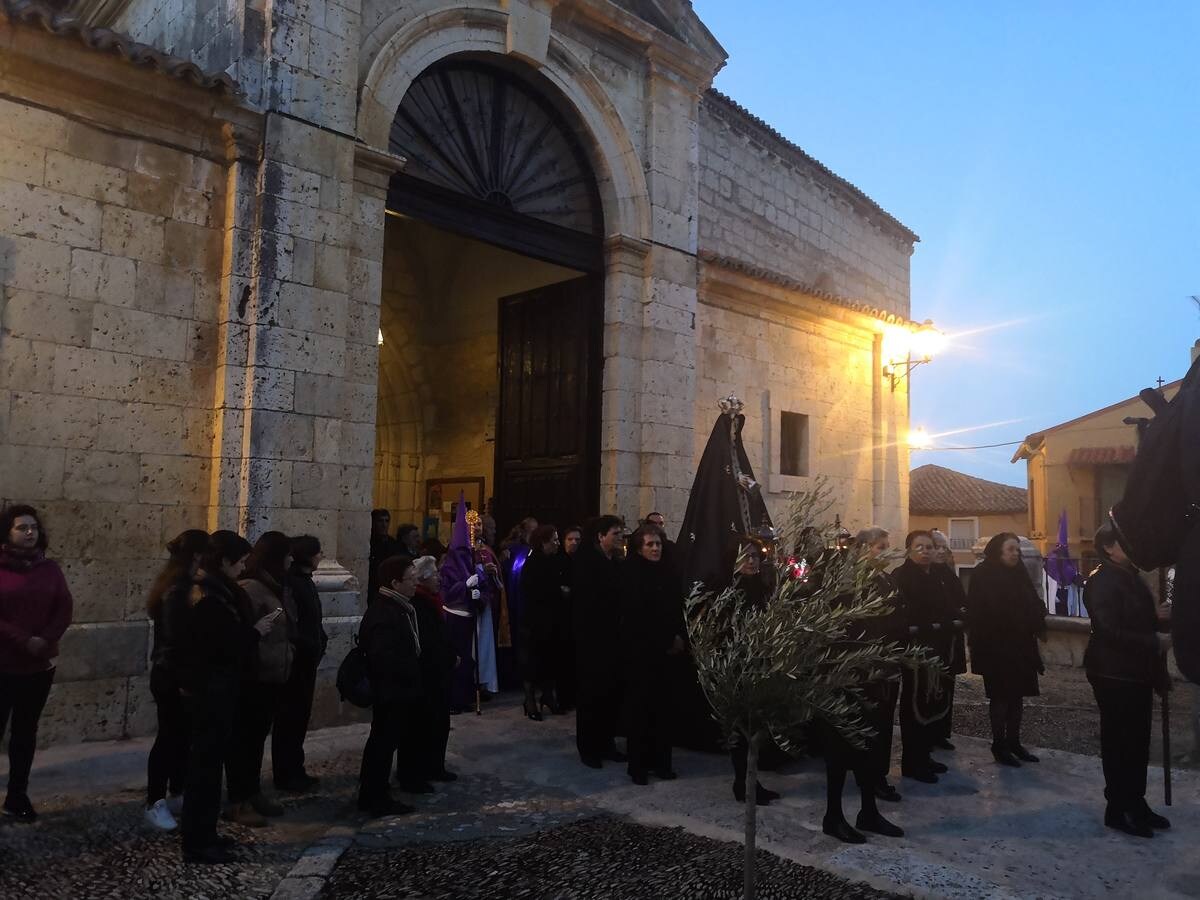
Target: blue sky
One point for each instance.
(1048, 154)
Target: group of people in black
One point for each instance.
(238, 638)
(600, 626)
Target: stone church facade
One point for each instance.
(252, 253)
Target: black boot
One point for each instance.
(1001, 755)
(877, 824)
(1144, 815)
(762, 796)
(840, 829)
(1123, 821)
(1020, 752)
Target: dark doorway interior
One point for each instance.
(494, 219)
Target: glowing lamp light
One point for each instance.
(904, 350)
(380, 339)
(919, 439)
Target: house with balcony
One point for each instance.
(964, 508)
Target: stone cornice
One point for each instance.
(42, 67)
(664, 51)
(782, 291)
(37, 14)
(741, 119)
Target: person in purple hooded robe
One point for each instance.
(461, 602)
(466, 595)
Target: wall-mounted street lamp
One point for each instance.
(904, 350)
(919, 439)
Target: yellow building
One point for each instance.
(1081, 466)
(964, 508)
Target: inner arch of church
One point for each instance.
(491, 306)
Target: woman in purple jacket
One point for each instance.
(35, 610)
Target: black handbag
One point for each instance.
(354, 678)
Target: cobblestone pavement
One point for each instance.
(1065, 717)
(983, 831)
(592, 859)
(98, 845)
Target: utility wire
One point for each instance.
(976, 447)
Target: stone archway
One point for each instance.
(638, 111)
(406, 46)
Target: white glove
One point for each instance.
(475, 595)
(472, 581)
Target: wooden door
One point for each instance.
(548, 424)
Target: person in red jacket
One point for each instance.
(35, 610)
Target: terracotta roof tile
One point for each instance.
(39, 14)
(937, 490)
(1101, 456)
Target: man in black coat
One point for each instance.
(1125, 662)
(390, 636)
(596, 596)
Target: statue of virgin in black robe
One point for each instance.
(725, 504)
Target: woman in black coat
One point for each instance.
(218, 650)
(537, 647)
(652, 631)
(168, 606)
(928, 613)
(869, 764)
(1006, 620)
(943, 557)
(1125, 662)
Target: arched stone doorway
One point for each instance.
(492, 297)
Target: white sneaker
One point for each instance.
(175, 804)
(160, 817)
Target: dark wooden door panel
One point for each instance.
(547, 445)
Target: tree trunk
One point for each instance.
(751, 816)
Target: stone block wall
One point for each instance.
(763, 202)
(775, 365)
(110, 255)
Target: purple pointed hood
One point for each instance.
(459, 564)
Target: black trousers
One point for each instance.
(946, 724)
(166, 767)
(22, 699)
(211, 714)
(649, 733)
(435, 733)
(917, 736)
(254, 716)
(1126, 711)
(390, 732)
(597, 709)
(291, 721)
(840, 758)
